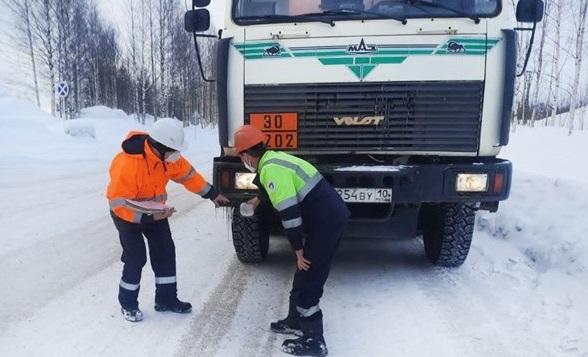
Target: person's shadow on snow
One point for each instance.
(356, 256)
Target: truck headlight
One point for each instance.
(472, 183)
(244, 181)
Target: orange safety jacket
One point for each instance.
(137, 173)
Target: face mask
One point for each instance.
(173, 157)
(248, 166)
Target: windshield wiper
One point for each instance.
(415, 3)
(351, 12)
(319, 16)
(278, 18)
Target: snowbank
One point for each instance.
(103, 113)
(549, 152)
(545, 216)
(538, 236)
(33, 137)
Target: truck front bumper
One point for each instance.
(412, 186)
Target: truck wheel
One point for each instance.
(447, 233)
(250, 240)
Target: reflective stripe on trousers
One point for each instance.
(165, 280)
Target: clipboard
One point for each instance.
(147, 207)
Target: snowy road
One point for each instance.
(74, 301)
(383, 297)
(520, 293)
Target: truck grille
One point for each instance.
(418, 116)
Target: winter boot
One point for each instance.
(312, 342)
(173, 305)
(132, 315)
(290, 325)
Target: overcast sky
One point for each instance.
(116, 12)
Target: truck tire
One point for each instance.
(447, 233)
(250, 239)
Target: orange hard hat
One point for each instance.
(247, 137)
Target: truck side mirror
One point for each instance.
(197, 20)
(200, 3)
(530, 10)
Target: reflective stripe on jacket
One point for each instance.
(288, 180)
(137, 173)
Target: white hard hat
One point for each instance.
(169, 132)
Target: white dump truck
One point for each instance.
(402, 105)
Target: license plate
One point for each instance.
(365, 195)
(280, 129)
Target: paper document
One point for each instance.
(147, 206)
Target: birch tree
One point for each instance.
(22, 12)
(579, 51)
(165, 16)
(539, 68)
(556, 69)
(521, 83)
(44, 29)
(142, 70)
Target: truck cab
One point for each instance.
(402, 105)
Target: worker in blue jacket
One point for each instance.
(313, 216)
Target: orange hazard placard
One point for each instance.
(280, 129)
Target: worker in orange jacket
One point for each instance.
(140, 172)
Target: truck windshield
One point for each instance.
(270, 11)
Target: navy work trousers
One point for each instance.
(325, 216)
(161, 254)
(319, 248)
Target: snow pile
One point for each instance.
(537, 240)
(28, 133)
(543, 216)
(103, 113)
(79, 128)
(85, 125)
(543, 220)
(25, 132)
(373, 168)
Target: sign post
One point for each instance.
(62, 91)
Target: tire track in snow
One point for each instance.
(214, 319)
(234, 319)
(268, 347)
(265, 300)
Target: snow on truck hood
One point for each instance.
(368, 168)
